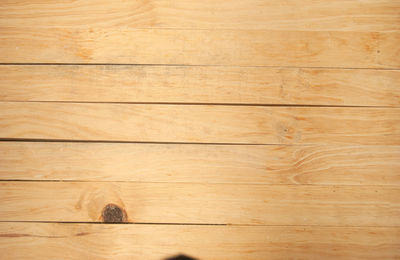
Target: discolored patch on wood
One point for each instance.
(82, 234)
(113, 214)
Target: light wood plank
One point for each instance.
(339, 15)
(366, 165)
(202, 203)
(84, 241)
(200, 47)
(200, 123)
(183, 84)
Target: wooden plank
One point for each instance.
(201, 203)
(200, 47)
(328, 165)
(339, 15)
(85, 241)
(200, 123)
(186, 84)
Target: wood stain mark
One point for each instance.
(29, 235)
(10, 235)
(82, 234)
(113, 214)
(78, 205)
(85, 54)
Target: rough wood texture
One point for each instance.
(200, 123)
(202, 203)
(84, 241)
(183, 84)
(372, 15)
(200, 47)
(278, 164)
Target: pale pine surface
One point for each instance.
(221, 129)
(200, 84)
(267, 164)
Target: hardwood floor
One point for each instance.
(146, 129)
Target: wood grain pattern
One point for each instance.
(200, 123)
(328, 165)
(249, 130)
(182, 84)
(339, 15)
(202, 203)
(84, 241)
(200, 47)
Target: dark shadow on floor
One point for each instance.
(181, 257)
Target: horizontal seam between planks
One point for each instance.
(240, 29)
(18, 140)
(204, 183)
(117, 223)
(194, 65)
(188, 224)
(33, 140)
(36, 140)
(193, 104)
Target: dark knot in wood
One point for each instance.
(113, 214)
